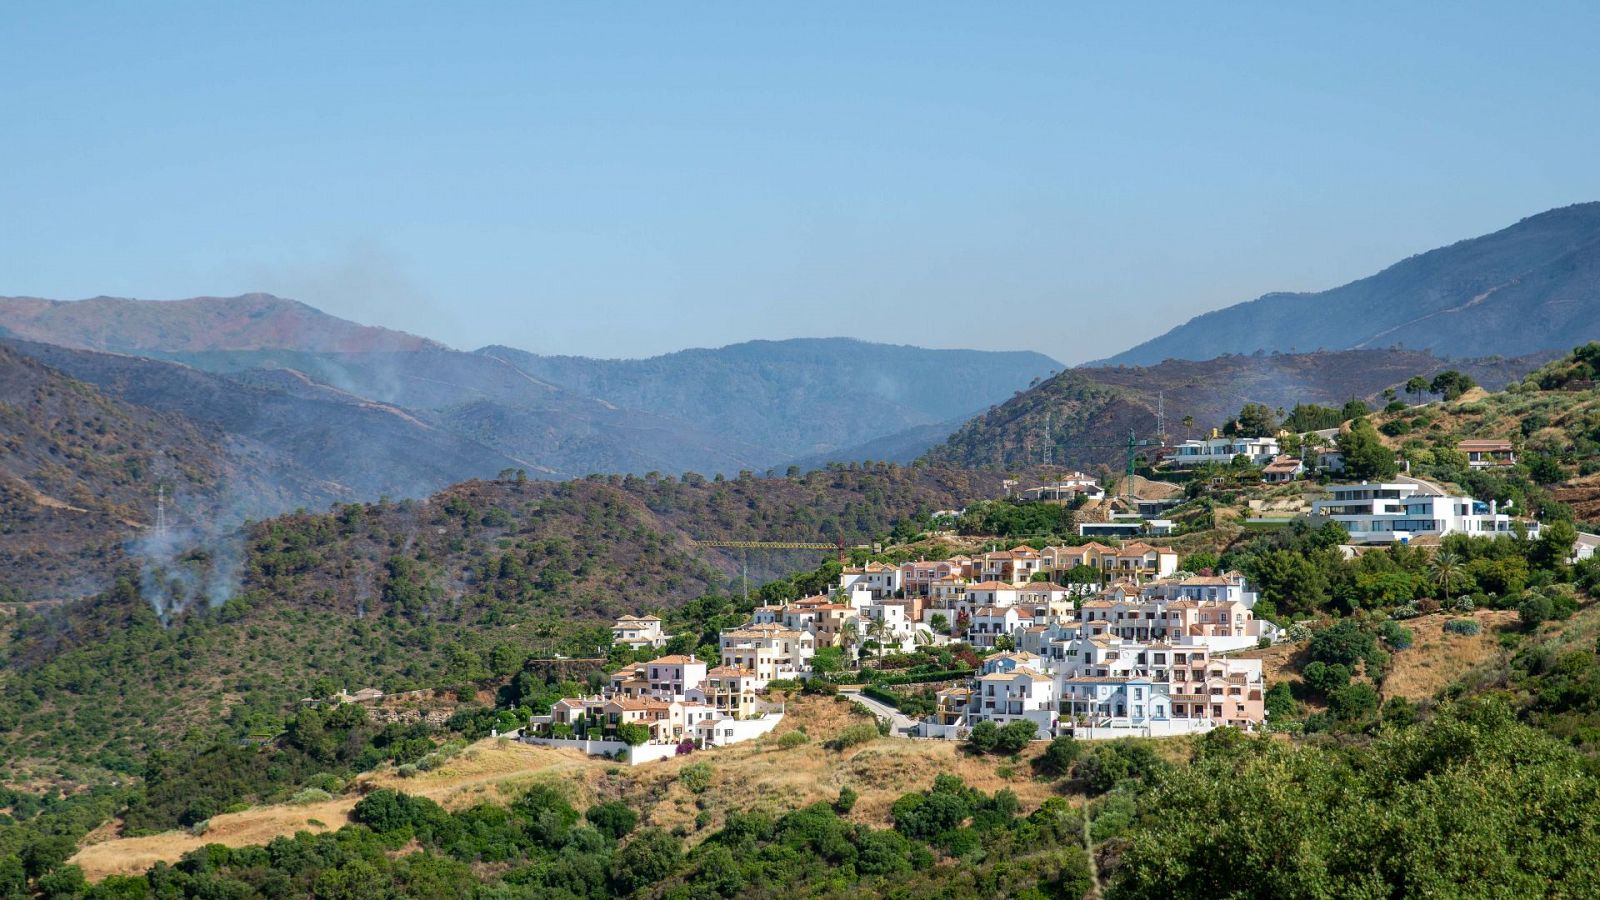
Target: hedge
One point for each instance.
(881, 695)
(947, 675)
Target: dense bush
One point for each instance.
(613, 819)
(1111, 763)
(1059, 756)
(854, 735)
(1370, 823)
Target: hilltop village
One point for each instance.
(977, 697)
(1116, 633)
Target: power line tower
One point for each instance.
(1161, 417)
(1049, 456)
(161, 509)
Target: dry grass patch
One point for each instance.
(478, 773)
(756, 775)
(1437, 659)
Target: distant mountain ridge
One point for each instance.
(800, 397)
(1083, 416)
(246, 322)
(750, 406)
(1531, 287)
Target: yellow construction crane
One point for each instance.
(775, 545)
(747, 546)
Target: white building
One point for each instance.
(875, 578)
(673, 676)
(638, 631)
(1022, 692)
(1401, 510)
(988, 623)
(1222, 450)
(769, 651)
(1066, 489)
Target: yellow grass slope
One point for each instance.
(759, 775)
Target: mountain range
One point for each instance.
(1533, 286)
(748, 406)
(246, 407)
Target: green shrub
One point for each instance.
(846, 801)
(1058, 758)
(310, 795)
(1395, 635)
(1353, 702)
(613, 819)
(792, 739)
(854, 735)
(1013, 737)
(1467, 627)
(1109, 764)
(1535, 609)
(696, 777)
(983, 737)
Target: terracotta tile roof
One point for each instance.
(674, 660)
(1022, 671)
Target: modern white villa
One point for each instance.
(1381, 513)
(1222, 450)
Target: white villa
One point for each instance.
(1399, 511)
(1222, 450)
(638, 631)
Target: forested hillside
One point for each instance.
(79, 474)
(407, 595)
(1083, 416)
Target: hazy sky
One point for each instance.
(621, 180)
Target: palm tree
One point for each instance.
(849, 636)
(1446, 568)
(878, 630)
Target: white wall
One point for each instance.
(1159, 728)
(636, 755)
(745, 729)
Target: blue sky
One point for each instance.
(622, 180)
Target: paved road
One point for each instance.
(899, 722)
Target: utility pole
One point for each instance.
(1132, 443)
